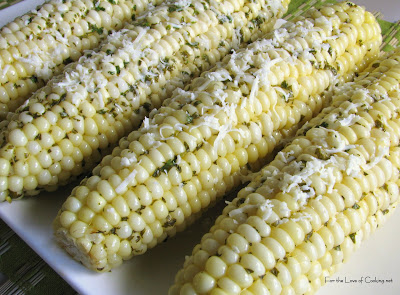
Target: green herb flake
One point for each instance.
(34, 79)
(378, 123)
(169, 221)
(323, 124)
(259, 20)
(331, 68)
(353, 237)
(144, 24)
(174, 8)
(193, 44)
(337, 248)
(275, 271)
(186, 145)
(99, 8)
(94, 28)
(308, 236)
(321, 154)
(168, 165)
(285, 85)
(190, 118)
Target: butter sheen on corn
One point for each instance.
(69, 125)
(309, 209)
(36, 46)
(193, 149)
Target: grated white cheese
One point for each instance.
(204, 42)
(284, 209)
(182, 3)
(279, 23)
(304, 216)
(353, 166)
(124, 184)
(274, 5)
(60, 38)
(118, 107)
(266, 209)
(220, 75)
(382, 152)
(100, 100)
(254, 90)
(323, 21)
(76, 98)
(128, 161)
(249, 189)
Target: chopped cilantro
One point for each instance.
(285, 85)
(34, 79)
(275, 271)
(168, 165)
(193, 44)
(308, 236)
(96, 29)
(321, 154)
(175, 8)
(353, 237)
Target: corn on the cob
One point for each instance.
(192, 149)
(63, 130)
(311, 206)
(37, 46)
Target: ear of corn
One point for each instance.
(36, 46)
(66, 127)
(192, 150)
(309, 209)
